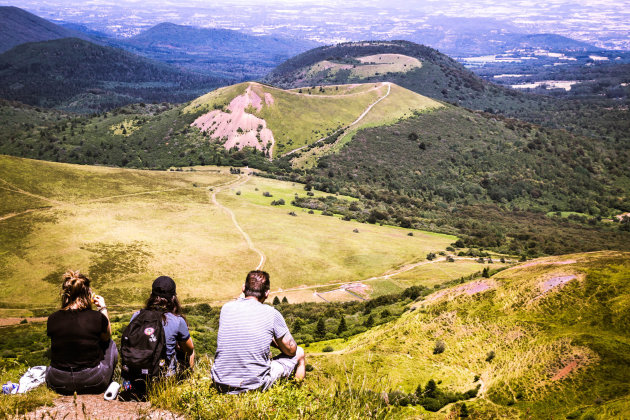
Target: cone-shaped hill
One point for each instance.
(282, 122)
(415, 67)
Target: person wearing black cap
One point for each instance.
(180, 351)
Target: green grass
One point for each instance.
(312, 249)
(533, 338)
(300, 117)
(399, 104)
(125, 227)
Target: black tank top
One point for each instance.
(75, 338)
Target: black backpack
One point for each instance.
(143, 347)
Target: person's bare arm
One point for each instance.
(189, 350)
(286, 344)
(99, 301)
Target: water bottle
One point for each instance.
(112, 391)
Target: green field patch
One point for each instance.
(436, 273)
(567, 214)
(366, 67)
(334, 89)
(12, 202)
(116, 260)
(125, 128)
(132, 226)
(312, 249)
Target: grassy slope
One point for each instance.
(533, 339)
(99, 220)
(398, 105)
(301, 118)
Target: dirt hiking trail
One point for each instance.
(355, 122)
(213, 197)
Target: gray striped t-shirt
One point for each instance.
(246, 329)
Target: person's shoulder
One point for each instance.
(174, 317)
(55, 315)
(270, 309)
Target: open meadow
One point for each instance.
(125, 227)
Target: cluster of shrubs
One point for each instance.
(431, 397)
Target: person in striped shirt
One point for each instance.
(247, 329)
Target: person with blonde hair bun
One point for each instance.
(83, 355)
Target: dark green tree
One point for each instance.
(285, 300)
(342, 326)
(430, 390)
(485, 272)
(276, 301)
(463, 411)
(297, 326)
(320, 330)
(369, 323)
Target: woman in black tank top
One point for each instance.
(83, 355)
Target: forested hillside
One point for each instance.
(439, 77)
(77, 75)
(602, 115)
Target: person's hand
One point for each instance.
(99, 301)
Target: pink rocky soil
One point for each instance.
(239, 127)
(565, 371)
(554, 282)
(470, 289)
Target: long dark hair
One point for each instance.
(164, 305)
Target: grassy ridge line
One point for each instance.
(355, 122)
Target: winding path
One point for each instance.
(387, 275)
(213, 197)
(345, 129)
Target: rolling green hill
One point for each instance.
(442, 78)
(410, 160)
(77, 75)
(123, 226)
(292, 120)
(214, 128)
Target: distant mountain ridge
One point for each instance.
(223, 52)
(18, 26)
